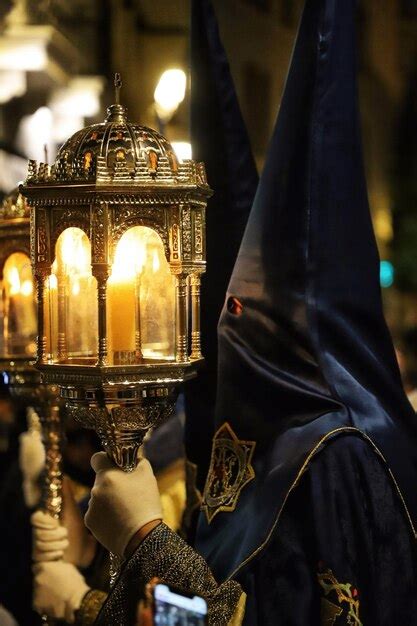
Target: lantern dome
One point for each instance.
(116, 154)
(115, 145)
(120, 153)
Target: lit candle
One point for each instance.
(77, 298)
(121, 310)
(123, 298)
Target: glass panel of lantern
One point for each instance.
(140, 301)
(71, 302)
(18, 309)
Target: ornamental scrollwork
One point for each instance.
(42, 236)
(70, 218)
(99, 219)
(186, 234)
(128, 217)
(198, 236)
(122, 429)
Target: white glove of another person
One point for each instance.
(67, 539)
(50, 539)
(31, 462)
(121, 503)
(59, 589)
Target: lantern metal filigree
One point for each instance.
(118, 250)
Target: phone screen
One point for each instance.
(174, 609)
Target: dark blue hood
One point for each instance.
(220, 139)
(310, 352)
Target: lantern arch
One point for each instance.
(70, 298)
(142, 329)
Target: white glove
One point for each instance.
(50, 539)
(121, 503)
(82, 545)
(31, 462)
(59, 590)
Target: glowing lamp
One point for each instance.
(386, 274)
(18, 324)
(183, 150)
(18, 329)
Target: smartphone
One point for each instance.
(173, 607)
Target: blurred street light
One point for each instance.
(71, 104)
(169, 93)
(34, 132)
(183, 150)
(12, 85)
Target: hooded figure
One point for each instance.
(306, 355)
(220, 140)
(309, 506)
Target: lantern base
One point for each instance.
(122, 429)
(120, 403)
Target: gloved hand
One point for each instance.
(50, 539)
(82, 545)
(58, 590)
(121, 503)
(31, 462)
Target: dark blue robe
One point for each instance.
(344, 524)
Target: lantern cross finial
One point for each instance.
(117, 86)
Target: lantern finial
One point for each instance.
(117, 86)
(116, 112)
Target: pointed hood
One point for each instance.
(308, 351)
(220, 139)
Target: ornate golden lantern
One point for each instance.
(118, 249)
(18, 329)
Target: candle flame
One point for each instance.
(140, 258)
(52, 281)
(26, 288)
(155, 262)
(13, 279)
(74, 251)
(129, 259)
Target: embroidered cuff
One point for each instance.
(163, 554)
(90, 607)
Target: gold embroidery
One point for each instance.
(329, 612)
(230, 470)
(90, 607)
(345, 594)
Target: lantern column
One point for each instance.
(102, 275)
(40, 277)
(195, 317)
(181, 318)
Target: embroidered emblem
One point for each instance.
(329, 612)
(345, 594)
(230, 470)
